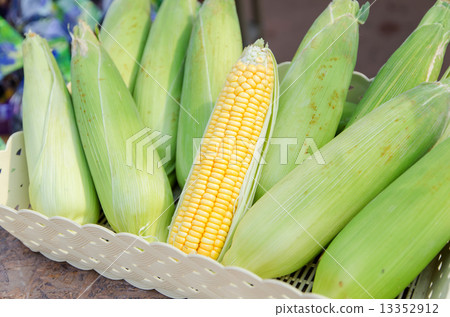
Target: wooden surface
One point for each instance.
(25, 274)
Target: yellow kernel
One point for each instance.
(218, 243)
(207, 241)
(190, 245)
(203, 252)
(232, 78)
(251, 82)
(210, 230)
(244, 86)
(198, 226)
(229, 101)
(207, 247)
(241, 80)
(209, 236)
(261, 68)
(203, 207)
(252, 68)
(248, 74)
(180, 239)
(222, 233)
(238, 90)
(241, 66)
(242, 100)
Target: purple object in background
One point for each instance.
(6, 114)
(16, 105)
(50, 28)
(24, 11)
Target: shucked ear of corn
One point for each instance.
(222, 180)
(302, 213)
(398, 234)
(214, 47)
(134, 199)
(419, 59)
(314, 90)
(124, 33)
(60, 182)
(158, 84)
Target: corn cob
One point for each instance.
(394, 237)
(60, 182)
(314, 202)
(314, 90)
(158, 84)
(123, 35)
(214, 47)
(419, 59)
(134, 199)
(220, 186)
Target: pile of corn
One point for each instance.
(268, 179)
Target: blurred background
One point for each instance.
(282, 23)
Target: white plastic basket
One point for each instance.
(156, 265)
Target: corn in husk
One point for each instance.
(221, 182)
(136, 197)
(419, 59)
(214, 47)
(158, 84)
(314, 90)
(302, 213)
(60, 181)
(358, 86)
(394, 237)
(124, 33)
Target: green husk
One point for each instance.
(124, 33)
(60, 181)
(314, 90)
(214, 47)
(134, 199)
(394, 237)
(283, 68)
(158, 84)
(2, 144)
(418, 60)
(300, 215)
(358, 87)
